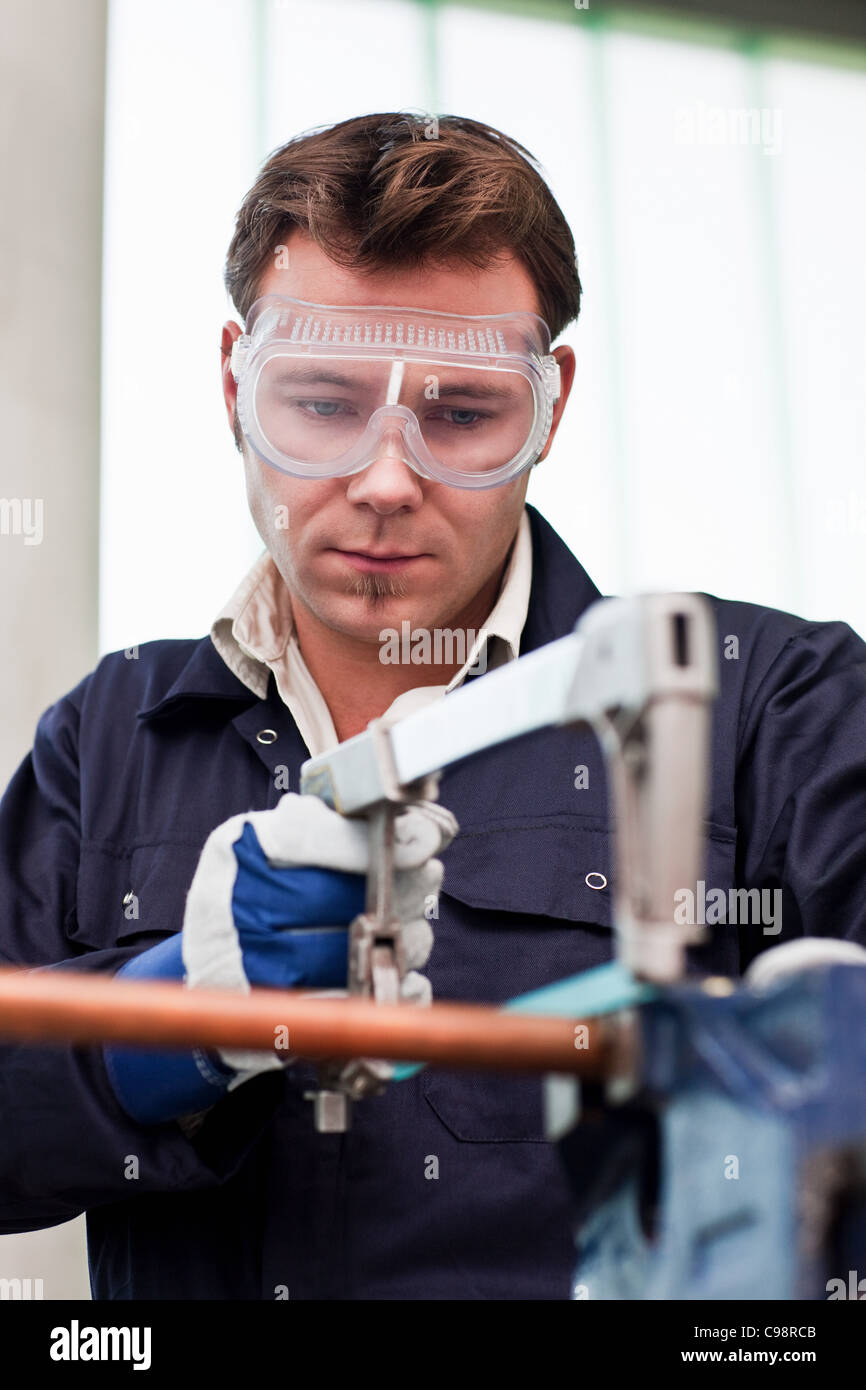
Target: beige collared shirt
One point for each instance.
(254, 634)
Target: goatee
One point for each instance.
(375, 588)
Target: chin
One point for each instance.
(365, 617)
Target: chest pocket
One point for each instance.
(537, 867)
(518, 910)
(131, 896)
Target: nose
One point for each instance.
(387, 483)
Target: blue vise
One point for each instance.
(736, 1167)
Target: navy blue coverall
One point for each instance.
(128, 775)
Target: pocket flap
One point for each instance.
(133, 894)
(545, 867)
(556, 866)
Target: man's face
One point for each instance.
(451, 542)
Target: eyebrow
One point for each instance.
(478, 390)
(316, 376)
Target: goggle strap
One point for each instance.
(240, 349)
(554, 377)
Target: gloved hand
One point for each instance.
(274, 892)
(270, 904)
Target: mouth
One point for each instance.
(382, 563)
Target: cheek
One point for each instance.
(270, 501)
(483, 527)
(291, 515)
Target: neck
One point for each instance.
(356, 684)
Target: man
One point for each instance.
(149, 832)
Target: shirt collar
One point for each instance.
(255, 625)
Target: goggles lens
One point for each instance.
(317, 412)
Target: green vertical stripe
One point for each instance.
(785, 525)
(261, 28)
(430, 39)
(615, 416)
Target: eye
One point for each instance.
(461, 417)
(321, 410)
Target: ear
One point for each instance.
(231, 332)
(565, 357)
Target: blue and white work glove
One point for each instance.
(270, 904)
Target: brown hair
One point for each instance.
(399, 189)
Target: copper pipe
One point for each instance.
(41, 1006)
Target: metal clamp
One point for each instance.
(377, 962)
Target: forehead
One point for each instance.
(303, 271)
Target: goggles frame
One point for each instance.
(280, 325)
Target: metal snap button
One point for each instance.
(597, 886)
(128, 898)
(267, 736)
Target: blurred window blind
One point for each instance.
(716, 436)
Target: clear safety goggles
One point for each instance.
(323, 390)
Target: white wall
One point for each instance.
(51, 113)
